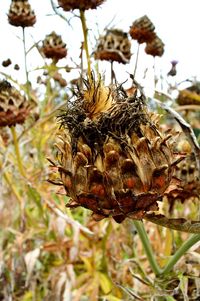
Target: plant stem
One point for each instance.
(147, 247)
(16, 145)
(25, 63)
(136, 61)
(112, 72)
(180, 252)
(85, 31)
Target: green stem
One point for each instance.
(16, 145)
(147, 247)
(180, 252)
(85, 31)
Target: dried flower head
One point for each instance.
(190, 95)
(53, 47)
(142, 30)
(21, 14)
(14, 108)
(189, 187)
(114, 46)
(81, 4)
(112, 157)
(155, 47)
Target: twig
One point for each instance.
(70, 221)
(136, 61)
(130, 292)
(58, 13)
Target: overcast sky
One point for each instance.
(177, 23)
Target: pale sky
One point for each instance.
(177, 23)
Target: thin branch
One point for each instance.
(70, 221)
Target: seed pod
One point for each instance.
(155, 47)
(53, 47)
(142, 30)
(21, 14)
(114, 46)
(14, 108)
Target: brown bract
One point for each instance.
(53, 47)
(112, 158)
(14, 108)
(21, 14)
(142, 30)
(68, 5)
(114, 46)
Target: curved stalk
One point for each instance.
(180, 252)
(85, 31)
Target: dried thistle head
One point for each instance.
(112, 158)
(68, 5)
(21, 14)
(114, 46)
(53, 47)
(188, 174)
(142, 30)
(155, 47)
(14, 108)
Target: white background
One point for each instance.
(177, 23)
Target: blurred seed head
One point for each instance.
(155, 47)
(6, 63)
(21, 14)
(53, 47)
(142, 30)
(16, 67)
(114, 46)
(14, 108)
